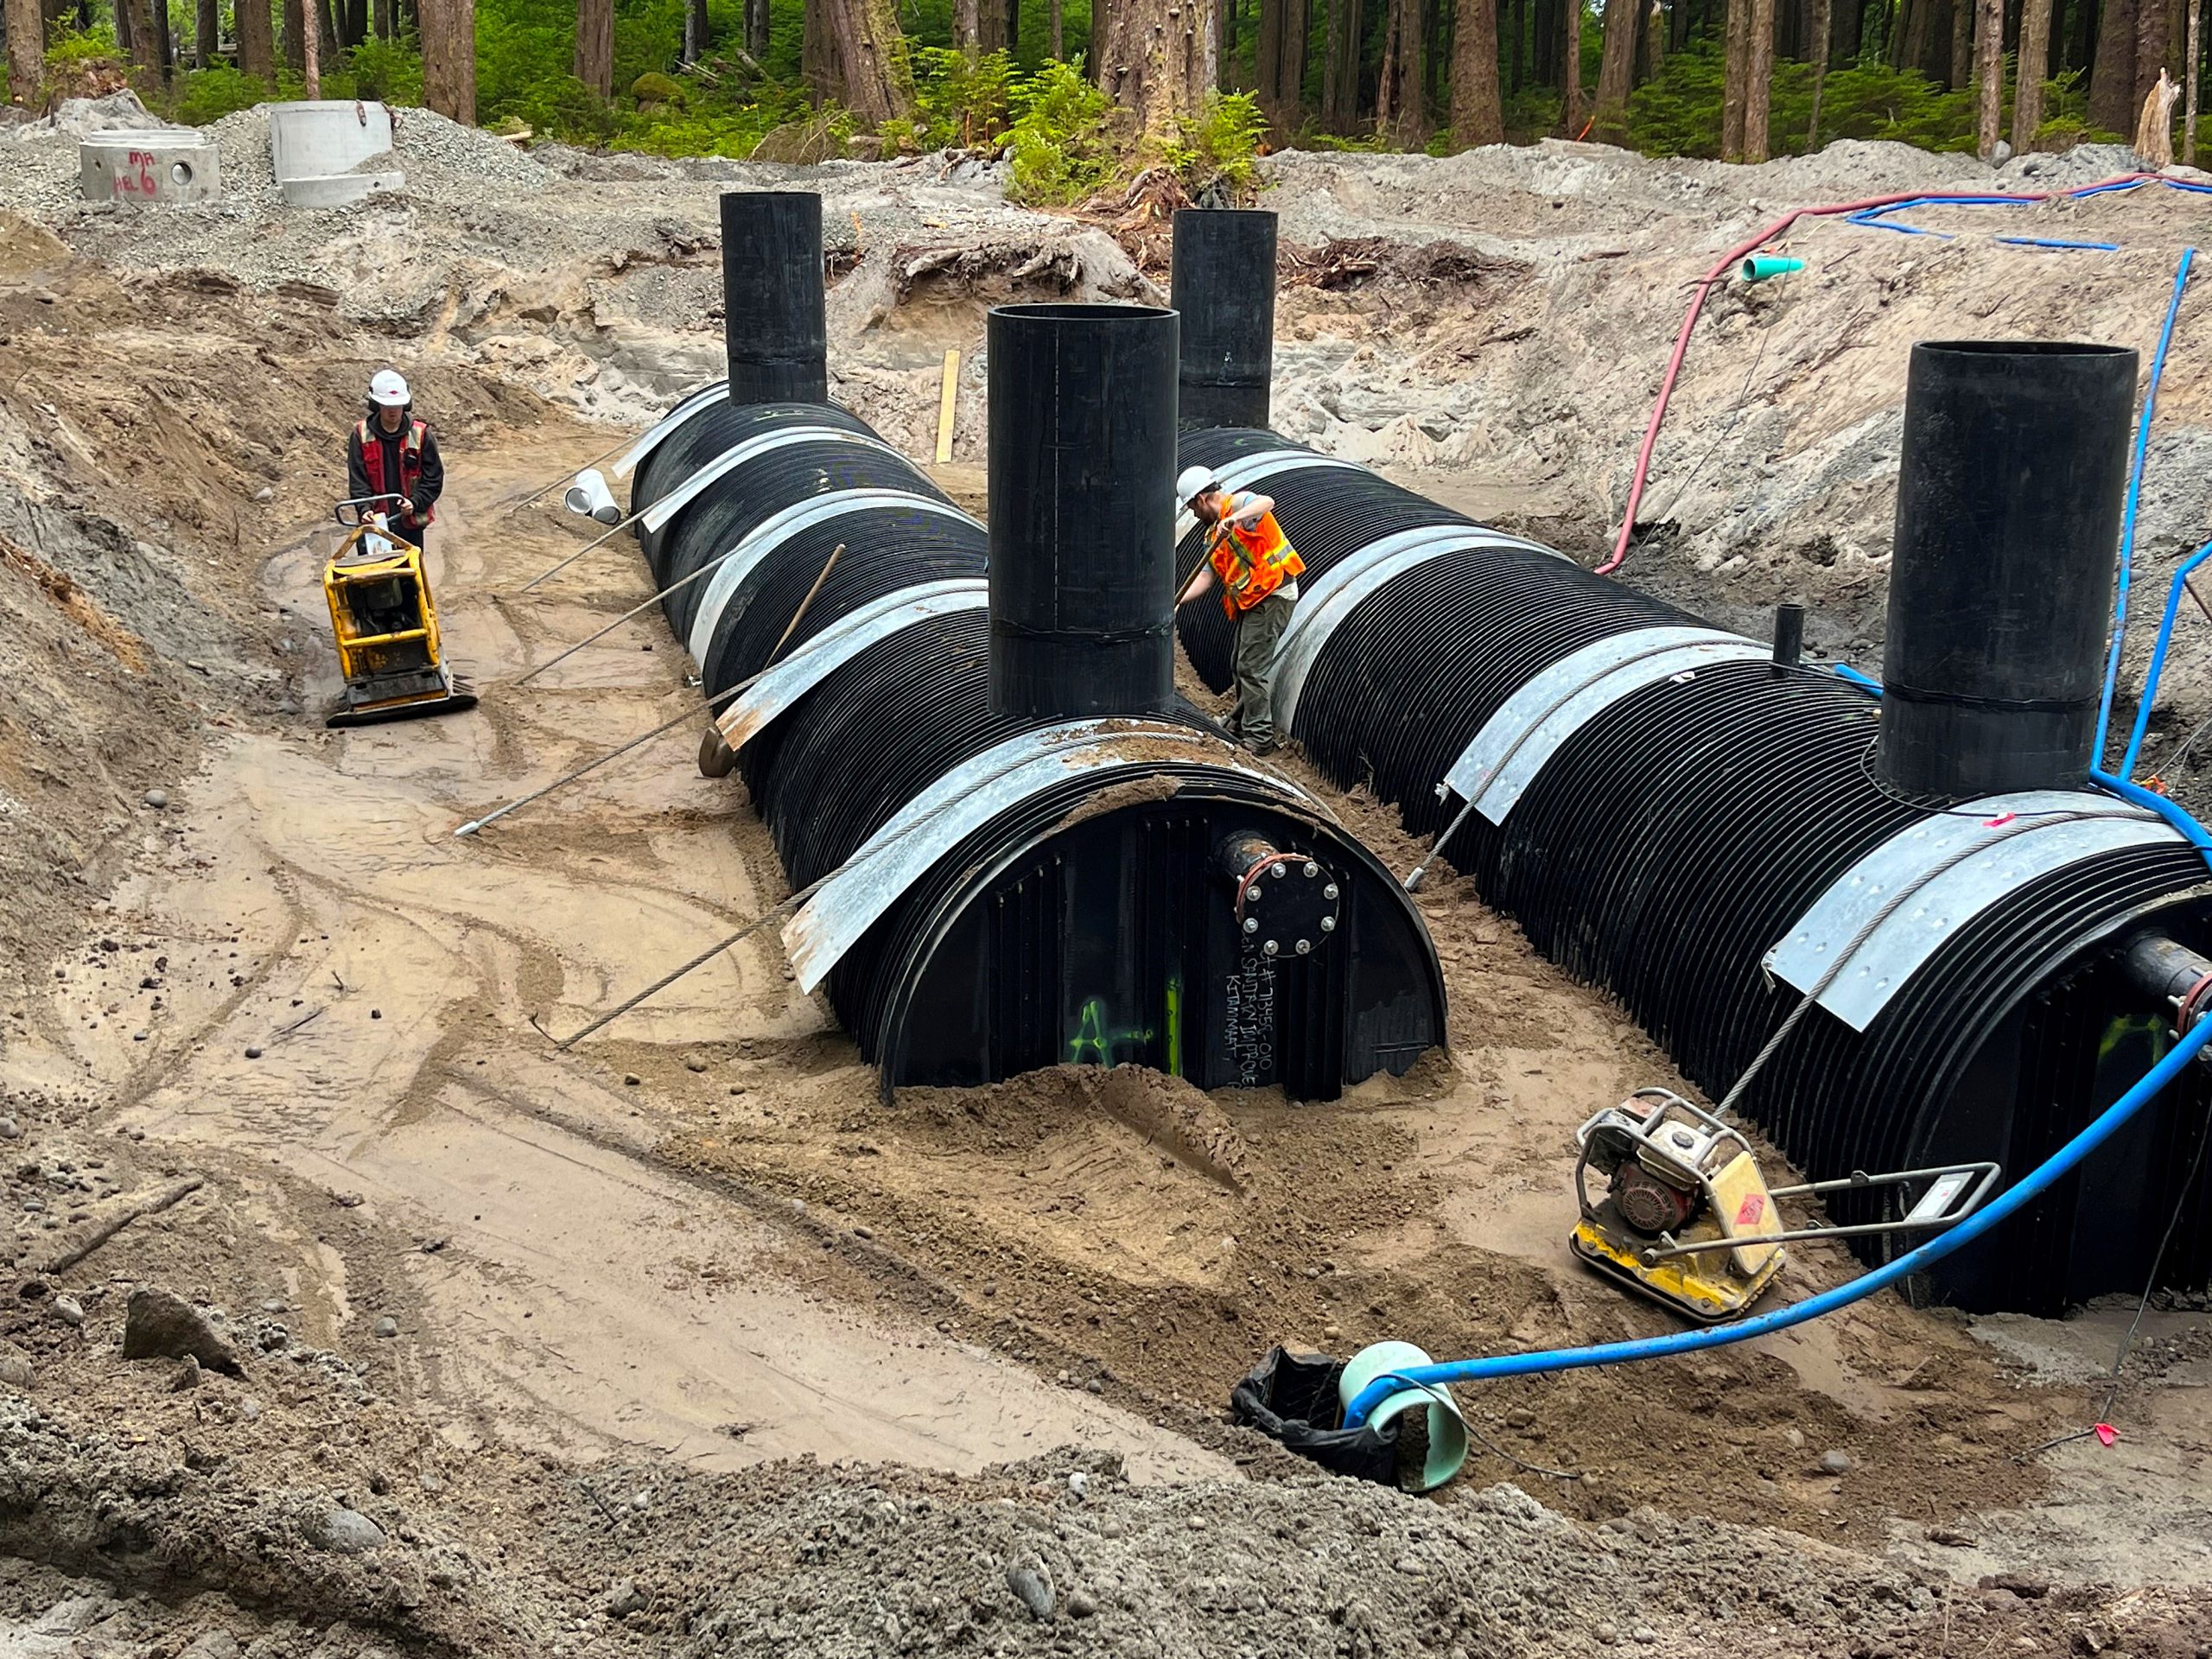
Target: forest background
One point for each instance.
(1081, 94)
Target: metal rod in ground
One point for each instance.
(724, 696)
(555, 481)
(1412, 883)
(596, 541)
(699, 961)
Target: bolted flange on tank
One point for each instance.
(1081, 494)
(773, 308)
(2009, 503)
(1224, 287)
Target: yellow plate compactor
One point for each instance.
(385, 624)
(1687, 1219)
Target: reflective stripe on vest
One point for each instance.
(1252, 561)
(410, 467)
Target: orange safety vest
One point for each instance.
(1252, 561)
(410, 467)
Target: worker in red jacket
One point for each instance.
(1257, 569)
(391, 452)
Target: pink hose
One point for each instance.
(1697, 305)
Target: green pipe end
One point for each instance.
(1758, 267)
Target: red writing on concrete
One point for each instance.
(135, 177)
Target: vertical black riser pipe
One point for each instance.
(2009, 501)
(773, 322)
(1223, 284)
(1081, 493)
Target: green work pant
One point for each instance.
(1259, 642)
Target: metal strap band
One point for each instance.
(782, 685)
(1498, 765)
(658, 515)
(963, 801)
(668, 424)
(1247, 470)
(1328, 601)
(1888, 958)
(740, 560)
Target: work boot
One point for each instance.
(1261, 747)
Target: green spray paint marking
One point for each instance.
(1175, 1026)
(1092, 1037)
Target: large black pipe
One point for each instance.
(2001, 588)
(1224, 288)
(772, 297)
(1082, 509)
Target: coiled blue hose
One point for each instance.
(2134, 498)
(2002, 1208)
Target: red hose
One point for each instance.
(1697, 305)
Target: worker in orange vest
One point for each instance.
(1248, 554)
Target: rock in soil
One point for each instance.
(160, 1325)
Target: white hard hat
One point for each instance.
(1194, 483)
(388, 390)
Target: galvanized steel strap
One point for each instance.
(1496, 767)
(2080, 826)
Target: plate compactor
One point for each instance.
(385, 624)
(1687, 1219)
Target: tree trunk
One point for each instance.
(1654, 43)
(448, 30)
(1155, 57)
(206, 33)
(1477, 116)
(1758, 80)
(1339, 66)
(311, 50)
(144, 48)
(295, 23)
(868, 57)
(594, 59)
(1737, 72)
(256, 41)
(1823, 19)
(2188, 82)
(1989, 76)
(818, 56)
(1517, 35)
(1960, 70)
(325, 16)
(1281, 63)
(1059, 42)
(968, 26)
(2112, 81)
(1616, 69)
(1398, 112)
(1571, 68)
(26, 51)
(2151, 36)
(385, 26)
(698, 30)
(2027, 93)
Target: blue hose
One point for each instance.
(2007, 1204)
(2134, 498)
(2158, 658)
(2052, 242)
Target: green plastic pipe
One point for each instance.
(1758, 267)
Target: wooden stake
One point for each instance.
(944, 404)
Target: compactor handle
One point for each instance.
(359, 510)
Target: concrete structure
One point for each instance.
(173, 165)
(331, 153)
